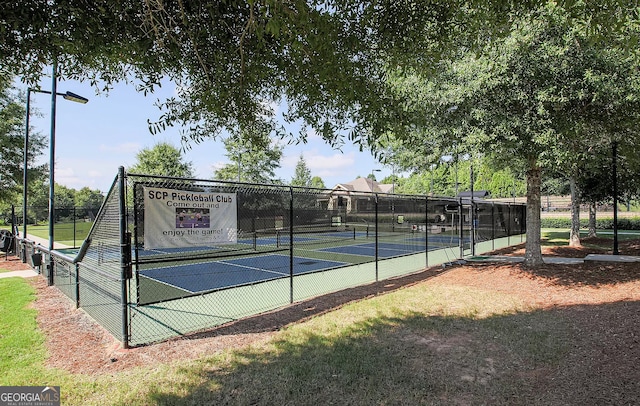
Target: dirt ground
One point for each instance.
(612, 332)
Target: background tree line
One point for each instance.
(12, 133)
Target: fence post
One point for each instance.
(74, 225)
(290, 244)
(493, 226)
(77, 265)
(125, 256)
(473, 228)
(14, 228)
(134, 248)
(426, 229)
(50, 265)
(473, 216)
(523, 222)
(377, 227)
(509, 225)
(461, 231)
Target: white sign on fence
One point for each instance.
(178, 218)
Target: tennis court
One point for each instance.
(205, 252)
(270, 258)
(385, 250)
(207, 276)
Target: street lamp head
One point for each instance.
(372, 171)
(75, 98)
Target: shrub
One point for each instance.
(626, 223)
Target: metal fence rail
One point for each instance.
(169, 256)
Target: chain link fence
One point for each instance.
(170, 256)
(72, 224)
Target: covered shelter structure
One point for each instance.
(357, 195)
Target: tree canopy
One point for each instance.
(88, 198)
(539, 98)
(12, 133)
(162, 159)
(345, 67)
(328, 59)
(254, 161)
(302, 175)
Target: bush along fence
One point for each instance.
(605, 223)
(170, 256)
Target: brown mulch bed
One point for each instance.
(12, 263)
(77, 344)
(590, 245)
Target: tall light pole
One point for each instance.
(372, 171)
(24, 167)
(456, 156)
(393, 179)
(52, 150)
(25, 180)
(54, 93)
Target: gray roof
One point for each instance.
(365, 185)
(476, 194)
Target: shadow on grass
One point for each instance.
(570, 355)
(590, 273)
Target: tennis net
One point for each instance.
(312, 235)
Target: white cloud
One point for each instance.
(219, 164)
(206, 170)
(75, 174)
(334, 165)
(124, 148)
(331, 165)
(68, 178)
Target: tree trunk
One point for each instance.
(574, 235)
(592, 219)
(533, 252)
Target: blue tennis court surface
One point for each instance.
(385, 250)
(284, 237)
(441, 239)
(206, 276)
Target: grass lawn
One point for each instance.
(364, 353)
(63, 232)
(431, 343)
(560, 236)
(22, 350)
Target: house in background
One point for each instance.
(477, 196)
(356, 196)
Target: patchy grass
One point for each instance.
(22, 350)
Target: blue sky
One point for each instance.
(94, 139)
